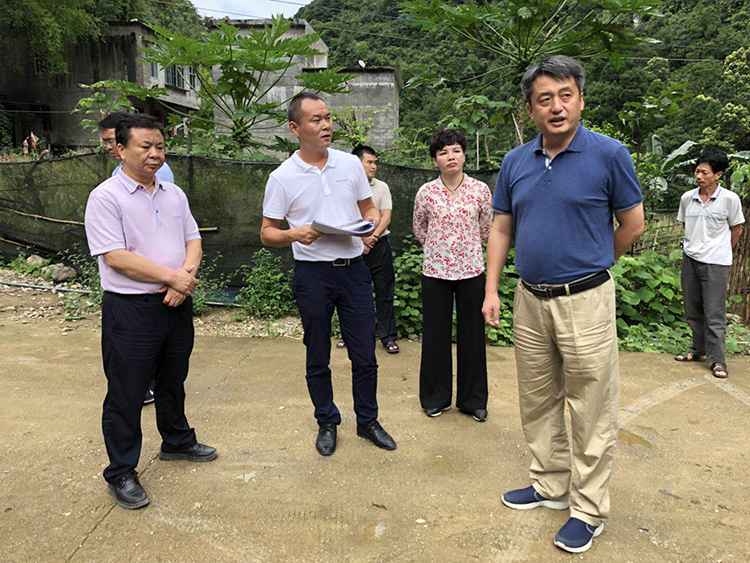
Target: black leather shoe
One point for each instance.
(199, 452)
(480, 415)
(375, 433)
(128, 492)
(326, 442)
(436, 411)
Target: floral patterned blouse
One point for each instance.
(452, 232)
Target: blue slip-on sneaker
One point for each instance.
(525, 499)
(576, 535)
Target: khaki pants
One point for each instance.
(566, 350)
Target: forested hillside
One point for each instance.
(702, 45)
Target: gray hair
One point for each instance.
(559, 66)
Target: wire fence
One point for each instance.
(42, 205)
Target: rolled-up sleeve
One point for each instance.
(103, 223)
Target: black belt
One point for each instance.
(381, 239)
(146, 297)
(345, 261)
(549, 291)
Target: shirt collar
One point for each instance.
(131, 185)
(697, 194)
(305, 167)
(576, 145)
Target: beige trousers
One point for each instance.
(566, 350)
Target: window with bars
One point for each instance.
(193, 79)
(173, 77)
(154, 70)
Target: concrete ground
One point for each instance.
(679, 492)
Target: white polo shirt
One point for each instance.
(301, 193)
(707, 235)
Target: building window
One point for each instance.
(173, 77)
(154, 70)
(192, 77)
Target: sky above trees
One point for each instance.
(242, 8)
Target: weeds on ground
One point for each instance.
(266, 288)
(210, 286)
(19, 265)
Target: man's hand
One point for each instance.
(183, 281)
(306, 235)
(491, 309)
(173, 298)
(370, 241)
(365, 250)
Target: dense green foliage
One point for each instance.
(702, 44)
(648, 295)
(266, 288)
(46, 27)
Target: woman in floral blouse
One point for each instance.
(452, 218)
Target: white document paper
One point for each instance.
(357, 228)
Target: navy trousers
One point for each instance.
(319, 288)
(143, 339)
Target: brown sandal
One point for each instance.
(689, 357)
(719, 370)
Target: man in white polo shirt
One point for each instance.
(329, 186)
(713, 224)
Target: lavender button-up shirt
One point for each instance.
(120, 213)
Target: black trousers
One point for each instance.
(319, 287)
(143, 339)
(436, 369)
(380, 263)
(704, 295)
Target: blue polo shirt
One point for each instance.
(563, 209)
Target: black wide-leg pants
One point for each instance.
(143, 339)
(436, 369)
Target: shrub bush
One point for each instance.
(266, 288)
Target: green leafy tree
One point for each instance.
(44, 28)
(517, 33)
(248, 67)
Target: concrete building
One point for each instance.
(42, 105)
(374, 90)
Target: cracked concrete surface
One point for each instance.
(679, 491)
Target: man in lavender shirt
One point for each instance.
(107, 127)
(149, 250)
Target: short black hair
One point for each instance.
(717, 160)
(295, 105)
(446, 138)
(111, 121)
(558, 66)
(361, 150)
(135, 121)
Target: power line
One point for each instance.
(208, 9)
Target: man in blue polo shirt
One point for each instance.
(558, 194)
